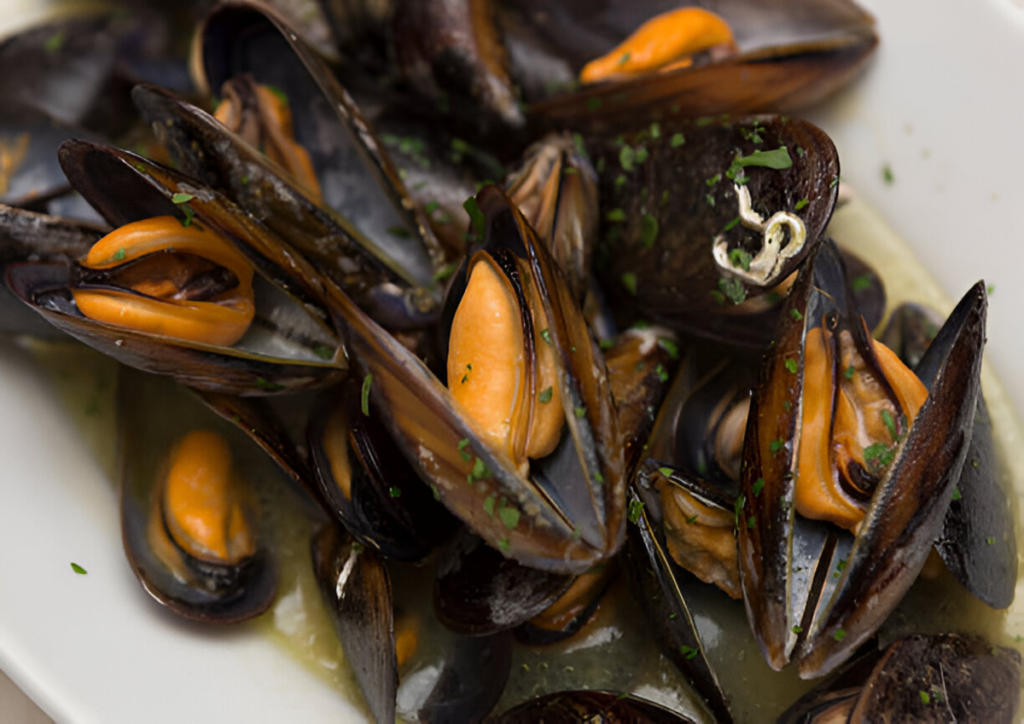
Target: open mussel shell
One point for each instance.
(945, 677)
(155, 416)
(977, 543)
(26, 236)
(356, 587)
(365, 232)
(659, 586)
(793, 600)
(788, 55)
(290, 345)
(590, 706)
(568, 513)
(369, 485)
(678, 241)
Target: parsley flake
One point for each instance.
(545, 395)
(758, 486)
(801, 204)
(839, 635)
(78, 569)
(648, 230)
(791, 365)
(476, 216)
(636, 508)
(629, 281)
(365, 398)
(677, 140)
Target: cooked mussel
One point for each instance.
(940, 678)
(609, 64)
(546, 487)
(140, 302)
(367, 483)
(331, 191)
(833, 542)
(189, 513)
(704, 222)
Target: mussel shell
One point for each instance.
(26, 236)
(126, 188)
(364, 199)
(386, 507)
(153, 412)
(680, 192)
(478, 591)
(356, 587)
(563, 522)
(608, 707)
(946, 677)
(790, 55)
(783, 558)
(977, 542)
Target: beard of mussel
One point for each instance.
(200, 524)
(501, 368)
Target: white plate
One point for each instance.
(940, 105)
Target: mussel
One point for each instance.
(888, 484)
(189, 510)
(147, 287)
(562, 510)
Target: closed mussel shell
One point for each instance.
(704, 221)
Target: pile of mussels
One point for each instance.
(633, 357)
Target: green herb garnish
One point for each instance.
(78, 569)
(365, 396)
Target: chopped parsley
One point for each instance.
(740, 258)
(629, 281)
(78, 569)
(545, 334)
(863, 282)
(956, 494)
(616, 215)
(926, 699)
(476, 216)
(890, 424)
(801, 204)
(839, 635)
(544, 397)
(323, 351)
(887, 174)
(677, 140)
(365, 398)
(732, 289)
(626, 158)
(795, 314)
(777, 160)
(758, 486)
(509, 516)
(669, 346)
(636, 508)
(581, 412)
(54, 43)
(395, 492)
(648, 230)
(798, 629)
(791, 365)
(775, 445)
(119, 255)
(849, 373)
(689, 652)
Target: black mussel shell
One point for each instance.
(667, 201)
(213, 593)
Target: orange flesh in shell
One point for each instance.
(571, 604)
(178, 254)
(700, 539)
(487, 371)
(837, 431)
(277, 137)
(664, 42)
(203, 503)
